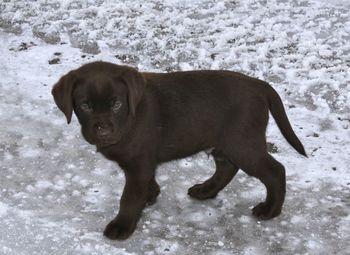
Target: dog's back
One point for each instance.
(197, 108)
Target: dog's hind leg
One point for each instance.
(270, 172)
(272, 175)
(225, 171)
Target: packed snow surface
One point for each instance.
(57, 194)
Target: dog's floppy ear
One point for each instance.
(62, 93)
(136, 84)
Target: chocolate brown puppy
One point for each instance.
(141, 119)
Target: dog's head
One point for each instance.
(104, 97)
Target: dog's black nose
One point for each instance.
(103, 129)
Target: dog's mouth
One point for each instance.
(104, 143)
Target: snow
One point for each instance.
(57, 194)
(3, 209)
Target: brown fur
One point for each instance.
(142, 119)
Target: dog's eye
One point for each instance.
(86, 107)
(116, 105)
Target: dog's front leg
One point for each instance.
(135, 196)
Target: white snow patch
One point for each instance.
(245, 219)
(31, 153)
(43, 184)
(3, 209)
(166, 247)
(185, 163)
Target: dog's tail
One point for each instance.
(280, 116)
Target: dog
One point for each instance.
(141, 119)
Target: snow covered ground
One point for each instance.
(57, 194)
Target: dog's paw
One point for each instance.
(265, 212)
(119, 230)
(201, 192)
